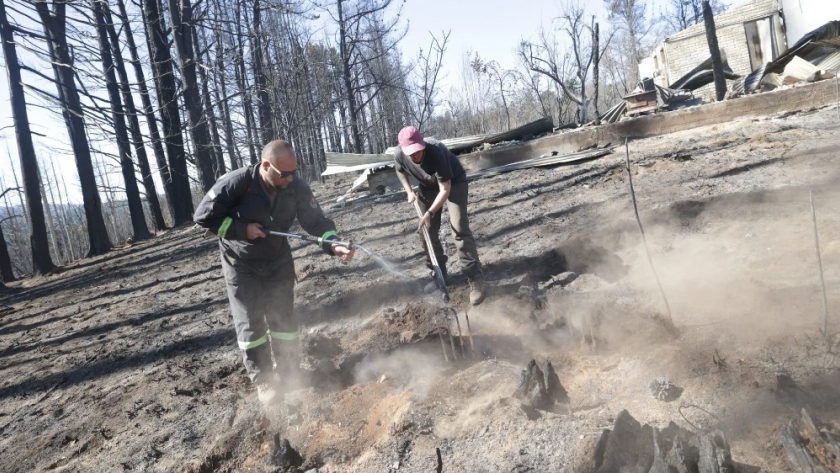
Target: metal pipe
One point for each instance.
(469, 332)
(312, 239)
(460, 336)
(819, 264)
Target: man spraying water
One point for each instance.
(242, 209)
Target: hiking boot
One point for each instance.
(267, 394)
(476, 291)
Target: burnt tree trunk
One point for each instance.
(132, 193)
(232, 150)
(346, 60)
(54, 25)
(134, 123)
(180, 14)
(167, 94)
(41, 261)
(717, 64)
(148, 111)
(267, 132)
(596, 58)
(7, 274)
(241, 80)
(209, 110)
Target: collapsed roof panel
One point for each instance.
(820, 48)
(702, 75)
(346, 162)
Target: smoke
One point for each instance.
(416, 370)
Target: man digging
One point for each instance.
(259, 270)
(442, 181)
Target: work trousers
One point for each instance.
(263, 316)
(460, 224)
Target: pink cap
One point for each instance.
(411, 140)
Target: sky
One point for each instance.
(491, 28)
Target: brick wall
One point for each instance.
(687, 49)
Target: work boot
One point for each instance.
(476, 291)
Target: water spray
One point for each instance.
(349, 244)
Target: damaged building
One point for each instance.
(749, 35)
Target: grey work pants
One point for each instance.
(263, 316)
(460, 224)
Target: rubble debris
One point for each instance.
(820, 48)
(811, 447)
(633, 447)
(799, 70)
(663, 389)
(283, 455)
(563, 279)
(538, 389)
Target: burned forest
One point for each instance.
(304, 236)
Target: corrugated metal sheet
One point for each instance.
(751, 82)
(830, 62)
(798, 70)
(346, 162)
(702, 75)
(827, 35)
(615, 113)
(820, 47)
(542, 161)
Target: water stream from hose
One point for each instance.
(385, 264)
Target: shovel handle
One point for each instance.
(435, 265)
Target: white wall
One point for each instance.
(803, 16)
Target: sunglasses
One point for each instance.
(283, 174)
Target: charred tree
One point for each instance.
(717, 63)
(148, 111)
(133, 122)
(167, 94)
(595, 72)
(267, 132)
(345, 50)
(232, 150)
(180, 14)
(209, 110)
(7, 274)
(242, 82)
(54, 25)
(41, 261)
(135, 205)
(220, 89)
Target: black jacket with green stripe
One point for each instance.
(239, 198)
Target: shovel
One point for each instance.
(435, 265)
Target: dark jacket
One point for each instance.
(239, 198)
(438, 165)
